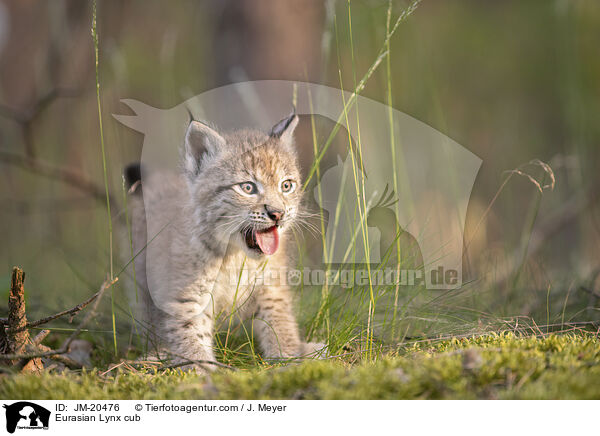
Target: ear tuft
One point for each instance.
(284, 129)
(200, 140)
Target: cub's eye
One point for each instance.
(248, 188)
(288, 186)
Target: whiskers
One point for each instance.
(240, 222)
(305, 221)
(231, 223)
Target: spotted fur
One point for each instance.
(203, 245)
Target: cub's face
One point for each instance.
(245, 186)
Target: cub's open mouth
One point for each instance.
(264, 241)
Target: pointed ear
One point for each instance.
(200, 140)
(284, 129)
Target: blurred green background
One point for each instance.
(511, 81)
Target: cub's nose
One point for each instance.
(274, 213)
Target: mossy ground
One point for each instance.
(500, 366)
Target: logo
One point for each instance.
(397, 174)
(26, 415)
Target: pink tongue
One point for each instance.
(268, 240)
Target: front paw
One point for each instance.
(315, 350)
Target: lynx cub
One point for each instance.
(242, 188)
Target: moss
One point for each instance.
(495, 366)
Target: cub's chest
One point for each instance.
(238, 284)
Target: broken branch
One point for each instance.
(64, 175)
(65, 347)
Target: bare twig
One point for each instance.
(26, 118)
(107, 284)
(73, 311)
(161, 364)
(40, 337)
(65, 360)
(196, 362)
(590, 291)
(64, 349)
(32, 355)
(28, 115)
(200, 363)
(64, 175)
(123, 362)
(36, 364)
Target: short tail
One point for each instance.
(133, 178)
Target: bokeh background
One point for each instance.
(511, 81)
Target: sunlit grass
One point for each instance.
(371, 330)
(494, 366)
(104, 172)
(367, 319)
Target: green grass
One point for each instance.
(501, 366)
(369, 317)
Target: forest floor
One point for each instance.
(496, 366)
